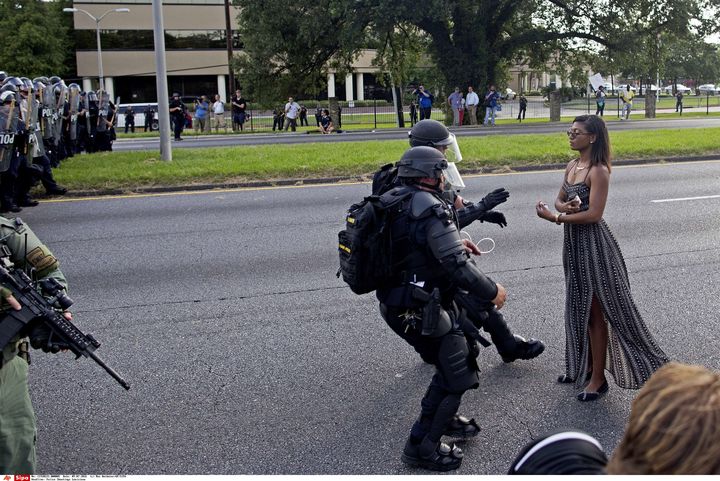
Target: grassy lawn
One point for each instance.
(128, 170)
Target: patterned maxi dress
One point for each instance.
(594, 265)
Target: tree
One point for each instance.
(36, 38)
(470, 41)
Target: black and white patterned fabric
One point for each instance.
(594, 266)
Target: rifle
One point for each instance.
(49, 329)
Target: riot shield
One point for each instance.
(47, 119)
(37, 147)
(60, 97)
(8, 129)
(103, 110)
(74, 101)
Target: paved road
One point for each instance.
(392, 134)
(246, 354)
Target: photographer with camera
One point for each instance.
(425, 101)
(201, 112)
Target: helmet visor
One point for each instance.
(452, 150)
(453, 178)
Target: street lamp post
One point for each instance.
(97, 20)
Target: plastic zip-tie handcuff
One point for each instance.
(480, 242)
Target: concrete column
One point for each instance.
(349, 91)
(222, 88)
(110, 88)
(331, 85)
(360, 86)
(87, 84)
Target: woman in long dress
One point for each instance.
(603, 328)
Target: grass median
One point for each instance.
(137, 170)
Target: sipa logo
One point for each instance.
(22, 477)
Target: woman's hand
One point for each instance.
(570, 207)
(542, 210)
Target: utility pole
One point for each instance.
(228, 34)
(161, 81)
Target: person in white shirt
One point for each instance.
(472, 100)
(292, 109)
(218, 113)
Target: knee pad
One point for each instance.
(457, 367)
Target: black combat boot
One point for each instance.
(462, 427)
(524, 349)
(434, 456)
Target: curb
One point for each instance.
(362, 178)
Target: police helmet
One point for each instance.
(6, 97)
(430, 133)
(27, 84)
(43, 79)
(9, 88)
(55, 79)
(418, 162)
(3, 75)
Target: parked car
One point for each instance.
(708, 89)
(140, 110)
(678, 88)
(509, 94)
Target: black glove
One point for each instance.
(494, 217)
(494, 198)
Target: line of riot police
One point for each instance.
(42, 122)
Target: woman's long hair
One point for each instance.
(600, 150)
(674, 425)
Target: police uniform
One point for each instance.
(430, 265)
(17, 418)
(481, 313)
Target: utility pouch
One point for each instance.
(23, 349)
(435, 320)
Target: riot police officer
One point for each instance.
(483, 315)
(419, 302)
(17, 442)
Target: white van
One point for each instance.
(140, 110)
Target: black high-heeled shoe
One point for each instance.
(586, 396)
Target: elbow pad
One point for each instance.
(470, 213)
(447, 247)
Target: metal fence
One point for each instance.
(383, 115)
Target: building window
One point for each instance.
(145, 40)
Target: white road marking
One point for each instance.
(682, 199)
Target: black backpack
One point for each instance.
(384, 179)
(364, 246)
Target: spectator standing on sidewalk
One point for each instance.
(523, 108)
(425, 101)
(627, 97)
(472, 100)
(455, 102)
(679, 102)
(600, 101)
(238, 111)
(201, 113)
(218, 113)
(292, 110)
(491, 102)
